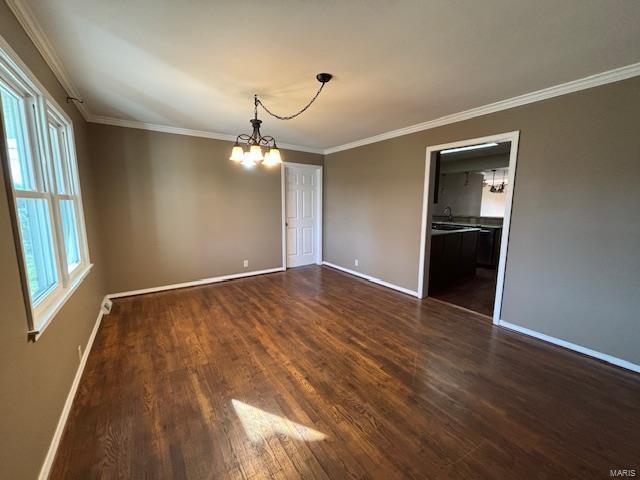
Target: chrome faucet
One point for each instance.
(448, 215)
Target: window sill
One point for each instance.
(45, 317)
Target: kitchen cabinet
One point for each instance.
(489, 246)
(452, 257)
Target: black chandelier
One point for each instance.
(501, 187)
(255, 142)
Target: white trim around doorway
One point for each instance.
(283, 220)
(427, 214)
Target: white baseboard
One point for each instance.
(572, 346)
(62, 421)
(195, 283)
(413, 293)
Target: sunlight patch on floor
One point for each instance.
(260, 425)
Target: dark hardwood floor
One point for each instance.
(477, 293)
(315, 374)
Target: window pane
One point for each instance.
(17, 146)
(70, 232)
(66, 155)
(57, 159)
(37, 239)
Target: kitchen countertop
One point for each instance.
(475, 225)
(460, 230)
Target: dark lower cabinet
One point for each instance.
(453, 256)
(489, 247)
(436, 263)
(468, 254)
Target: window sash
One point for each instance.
(62, 173)
(40, 241)
(72, 191)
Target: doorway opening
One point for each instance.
(466, 213)
(301, 214)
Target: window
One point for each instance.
(43, 180)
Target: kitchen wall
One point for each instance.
(174, 209)
(474, 164)
(572, 269)
(35, 378)
(462, 193)
(493, 204)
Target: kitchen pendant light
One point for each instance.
(493, 188)
(248, 148)
(502, 185)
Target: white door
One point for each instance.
(301, 215)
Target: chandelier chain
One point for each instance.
(287, 117)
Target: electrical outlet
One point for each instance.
(356, 262)
(80, 352)
(246, 263)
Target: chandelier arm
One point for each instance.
(267, 141)
(288, 117)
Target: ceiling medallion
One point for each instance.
(248, 148)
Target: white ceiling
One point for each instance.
(196, 64)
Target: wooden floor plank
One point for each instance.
(204, 383)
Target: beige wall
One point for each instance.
(35, 378)
(573, 264)
(173, 208)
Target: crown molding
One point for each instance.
(603, 78)
(28, 21)
(105, 120)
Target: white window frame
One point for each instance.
(40, 111)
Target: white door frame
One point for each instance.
(427, 214)
(283, 186)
